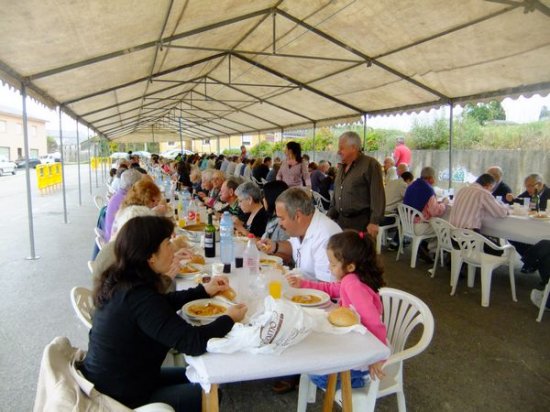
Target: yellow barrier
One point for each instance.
(48, 176)
(97, 162)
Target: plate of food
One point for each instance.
(189, 269)
(205, 309)
(270, 260)
(540, 216)
(307, 297)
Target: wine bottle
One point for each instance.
(209, 238)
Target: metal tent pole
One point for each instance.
(28, 174)
(89, 160)
(78, 163)
(218, 145)
(451, 107)
(314, 148)
(181, 135)
(62, 167)
(364, 131)
(96, 165)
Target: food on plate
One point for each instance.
(306, 299)
(188, 269)
(540, 215)
(198, 259)
(180, 242)
(343, 317)
(206, 309)
(229, 293)
(199, 227)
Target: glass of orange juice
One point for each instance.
(275, 287)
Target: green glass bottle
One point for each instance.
(535, 201)
(209, 238)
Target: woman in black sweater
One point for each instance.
(135, 322)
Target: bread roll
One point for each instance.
(343, 317)
(229, 293)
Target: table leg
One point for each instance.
(346, 391)
(210, 401)
(329, 394)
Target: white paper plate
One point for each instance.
(539, 217)
(187, 308)
(308, 292)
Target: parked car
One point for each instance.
(33, 162)
(50, 158)
(6, 166)
(173, 153)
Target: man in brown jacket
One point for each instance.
(359, 199)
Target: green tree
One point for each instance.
(430, 136)
(51, 144)
(262, 149)
(484, 112)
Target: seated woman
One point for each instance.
(142, 199)
(135, 322)
(250, 198)
(272, 190)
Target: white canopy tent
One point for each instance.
(234, 66)
(199, 69)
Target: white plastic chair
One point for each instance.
(381, 236)
(91, 266)
(443, 230)
(471, 252)
(403, 312)
(100, 242)
(318, 199)
(99, 201)
(407, 217)
(543, 303)
(83, 304)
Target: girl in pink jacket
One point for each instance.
(359, 274)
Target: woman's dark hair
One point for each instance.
(136, 241)
(112, 172)
(272, 190)
(360, 249)
(296, 150)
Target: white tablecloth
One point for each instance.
(518, 228)
(319, 353)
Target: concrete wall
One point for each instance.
(468, 164)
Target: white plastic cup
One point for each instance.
(499, 199)
(526, 201)
(217, 269)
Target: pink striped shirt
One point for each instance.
(353, 292)
(292, 174)
(472, 204)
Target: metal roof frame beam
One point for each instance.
(368, 59)
(147, 45)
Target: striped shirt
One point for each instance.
(472, 204)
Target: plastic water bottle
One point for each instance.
(185, 200)
(167, 190)
(226, 241)
(251, 256)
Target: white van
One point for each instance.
(50, 158)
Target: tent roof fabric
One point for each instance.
(130, 69)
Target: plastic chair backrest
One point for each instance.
(99, 201)
(443, 230)
(403, 312)
(83, 304)
(468, 241)
(318, 199)
(407, 216)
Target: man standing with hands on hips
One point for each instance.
(359, 199)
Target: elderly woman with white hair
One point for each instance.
(250, 202)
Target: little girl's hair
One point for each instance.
(358, 248)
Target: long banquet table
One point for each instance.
(318, 353)
(519, 228)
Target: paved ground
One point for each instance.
(481, 359)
